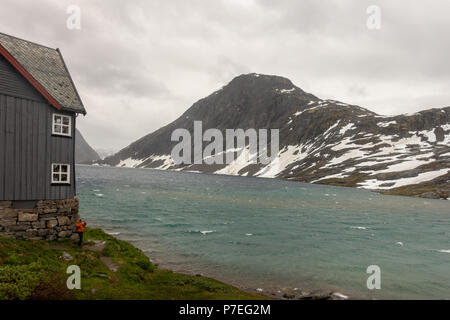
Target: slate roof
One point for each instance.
(47, 67)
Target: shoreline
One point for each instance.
(272, 291)
(422, 190)
(112, 269)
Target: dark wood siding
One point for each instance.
(14, 84)
(28, 148)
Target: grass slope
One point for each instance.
(37, 270)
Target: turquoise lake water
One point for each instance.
(273, 234)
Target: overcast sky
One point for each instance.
(138, 65)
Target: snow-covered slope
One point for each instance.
(321, 141)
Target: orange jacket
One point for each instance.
(80, 226)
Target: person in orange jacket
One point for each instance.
(80, 230)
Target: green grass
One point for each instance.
(35, 270)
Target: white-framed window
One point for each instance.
(61, 173)
(62, 125)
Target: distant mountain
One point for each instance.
(83, 151)
(321, 141)
(106, 152)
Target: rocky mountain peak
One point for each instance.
(261, 84)
(321, 141)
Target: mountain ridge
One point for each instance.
(321, 141)
(84, 153)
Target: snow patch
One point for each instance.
(422, 177)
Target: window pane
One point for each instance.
(64, 178)
(56, 168)
(56, 178)
(65, 130)
(57, 129)
(58, 119)
(64, 168)
(66, 120)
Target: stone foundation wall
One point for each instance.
(49, 220)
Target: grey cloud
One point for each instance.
(140, 64)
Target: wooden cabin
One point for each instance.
(39, 104)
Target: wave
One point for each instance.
(203, 232)
(359, 228)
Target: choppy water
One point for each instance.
(270, 234)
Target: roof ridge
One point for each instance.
(46, 67)
(70, 77)
(28, 41)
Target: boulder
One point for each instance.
(338, 296)
(66, 257)
(19, 227)
(74, 237)
(7, 213)
(27, 216)
(52, 223)
(43, 232)
(63, 221)
(8, 222)
(31, 233)
(5, 204)
(430, 195)
(64, 234)
(38, 224)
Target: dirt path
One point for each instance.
(98, 246)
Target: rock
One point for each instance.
(64, 234)
(52, 223)
(38, 224)
(8, 235)
(430, 195)
(48, 210)
(288, 296)
(443, 194)
(5, 204)
(31, 233)
(66, 257)
(63, 221)
(7, 213)
(338, 296)
(27, 216)
(19, 227)
(65, 211)
(51, 237)
(8, 222)
(42, 232)
(316, 296)
(74, 237)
